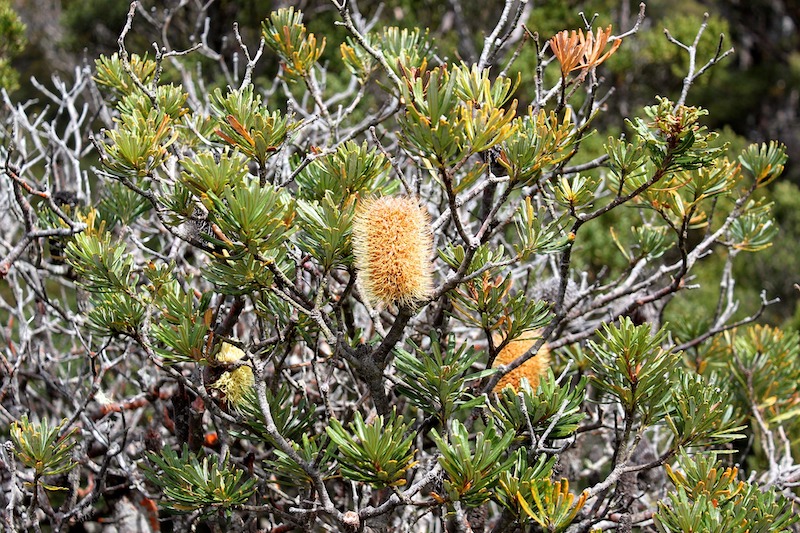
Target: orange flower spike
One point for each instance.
(532, 369)
(392, 245)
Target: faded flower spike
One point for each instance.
(235, 383)
(392, 244)
(532, 369)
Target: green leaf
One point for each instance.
(249, 126)
(708, 498)
(110, 72)
(43, 447)
(755, 229)
(190, 485)
(353, 169)
(472, 466)
(550, 407)
(485, 303)
(207, 172)
(139, 144)
(435, 376)
(630, 364)
(764, 163)
(285, 33)
(405, 49)
(539, 141)
(703, 413)
(293, 419)
(379, 453)
(556, 507)
(185, 322)
(310, 450)
(515, 485)
(252, 219)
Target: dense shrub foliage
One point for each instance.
(364, 295)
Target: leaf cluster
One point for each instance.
(555, 506)
(452, 113)
(529, 493)
(435, 378)
(352, 169)
(110, 72)
(551, 408)
(516, 485)
(247, 125)
(12, 42)
(285, 33)
(674, 139)
(765, 365)
(379, 453)
(473, 467)
(712, 500)
(630, 365)
(190, 484)
(43, 447)
(106, 270)
(292, 419)
(311, 449)
(538, 141)
(704, 414)
(139, 145)
(184, 325)
(487, 303)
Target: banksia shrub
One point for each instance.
(282, 304)
(532, 369)
(392, 245)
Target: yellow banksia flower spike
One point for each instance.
(392, 245)
(532, 369)
(235, 383)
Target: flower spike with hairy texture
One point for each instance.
(532, 369)
(392, 245)
(235, 383)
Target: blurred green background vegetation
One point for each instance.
(752, 96)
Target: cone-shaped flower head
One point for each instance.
(532, 369)
(235, 383)
(392, 245)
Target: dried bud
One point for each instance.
(351, 521)
(152, 440)
(392, 244)
(532, 369)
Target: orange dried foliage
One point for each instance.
(574, 50)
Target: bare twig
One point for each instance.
(693, 72)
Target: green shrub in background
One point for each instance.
(12, 41)
(288, 305)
